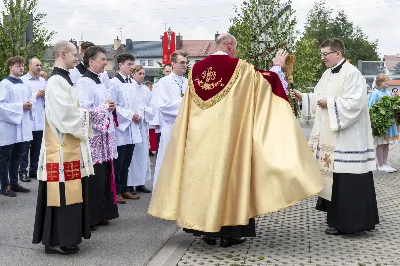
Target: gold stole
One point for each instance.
(69, 151)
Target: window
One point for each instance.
(150, 62)
(143, 62)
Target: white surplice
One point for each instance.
(92, 95)
(65, 117)
(139, 171)
(169, 98)
(154, 103)
(15, 122)
(36, 84)
(126, 101)
(76, 75)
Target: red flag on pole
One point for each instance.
(166, 58)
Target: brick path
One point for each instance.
(295, 236)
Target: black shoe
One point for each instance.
(19, 188)
(104, 223)
(229, 241)
(93, 228)
(8, 191)
(32, 176)
(59, 250)
(209, 241)
(24, 177)
(73, 249)
(333, 232)
(143, 189)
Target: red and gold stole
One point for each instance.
(67, 153)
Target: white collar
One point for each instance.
(124, 77)
(337, 64)
(175, 76)
(220, 53)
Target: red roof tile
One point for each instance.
(394, 83)
(201, 48)
(391, 61)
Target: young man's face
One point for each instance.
(126, 67)
(17, 69)
(167, 70)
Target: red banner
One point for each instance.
(173, 44)
(166, 58)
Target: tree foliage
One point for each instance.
(321, 25)
(15, 18)
(261, 27)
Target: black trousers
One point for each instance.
(121, 167)
(34, 147)
(9, 163)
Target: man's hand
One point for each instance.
(323, 103)
(40, 93)
(136, 118)
(111, 106)
(295, 94)
(280, 58)
(27, 106)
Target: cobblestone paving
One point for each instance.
(295, 236)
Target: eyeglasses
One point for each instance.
(326, 54)
(182, 62)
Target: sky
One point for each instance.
(100, 21)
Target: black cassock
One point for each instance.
(102, 206)
(63, 226)
(353, 207)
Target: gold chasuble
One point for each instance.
(236, 151)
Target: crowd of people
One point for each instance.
(87, 139)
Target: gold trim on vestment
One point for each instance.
(53, 194)
(216, 98)
(73, 192)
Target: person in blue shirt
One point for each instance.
(382, 149)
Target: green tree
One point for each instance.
(261, 27)
(320, 26)
(12, 27)
(307, 64)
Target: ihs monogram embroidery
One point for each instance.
(208, 76)
(327, 160)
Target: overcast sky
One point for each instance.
(100, 20)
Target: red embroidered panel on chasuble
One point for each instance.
(53, 172)
(72, 170)
(275, 82)
(212, 74)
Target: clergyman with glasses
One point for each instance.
(341, 141)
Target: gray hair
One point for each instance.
(225, 39)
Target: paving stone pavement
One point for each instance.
(295, 236)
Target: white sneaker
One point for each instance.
(391, 168)
(384, 168)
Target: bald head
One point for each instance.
(35, 66)
(65, 54)
(226, 43)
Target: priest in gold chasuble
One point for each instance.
(62, 217)
(236, 151)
